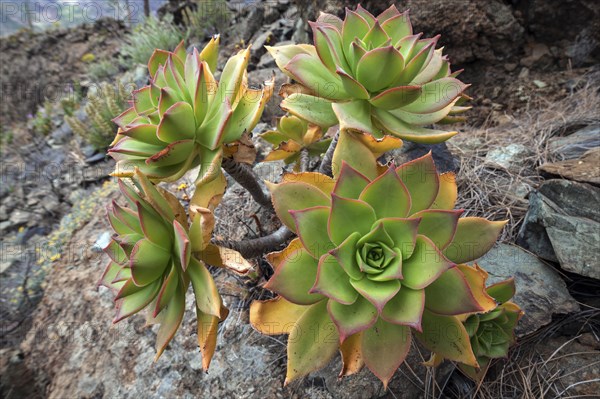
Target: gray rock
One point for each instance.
(62, 134)
(19, 217)
(444, 160)
(577, 199)
(585, 169)
(576, 242)
(507, 157)
(258, 44)
(576, 144)
(266, 61)
(541, 293)
(102, 241)
(563, 225)
(88, 150)
(95, 158)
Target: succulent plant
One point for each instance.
(293, 135)
(377, 260)
(155, 254)
(492, 333)
(183, 118)
(373, 75)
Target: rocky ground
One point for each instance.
(530, 153)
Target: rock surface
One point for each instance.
(563, 225)
(541, 293)
(576, 144)
(585, 169)
(45, 65)
(73, 351)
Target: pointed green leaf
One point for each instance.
(403, 232)
(293, 196)
(354, 26)
(392, 125)
(116, 253)
(357, 155)
(350, 182)
(425, 265)
(353, 318)
(376, 292)
(310, 227)
(168, 98)
(177, 123)
(473, 238)
(436, 95)
(387, 195)
(170, 321)
(156, 200)
(206, 88)
(388, 13)
(446, 336)
(176, 154)
(384, 348)
(147, 262)
(142, 100)
(294, 278)
(312, 344)
(432, 69)
(348, 216)
(182, 244)
(167, 290)
(366, 15)
(379, 68)
(345, 254)
(375, 37)
(503, 291)
(422, 181)
(397, 27)
(471, 325)
(352, 87)
(311, 72)
(310, 108)
(154, 227)
(144, 133)
(354, 116)
(328, 44)
(110, 272)
(284, 54)
(461, 301)
(210, 52)
(406, 308)
(376, 235)
(393, 271)
(205, 290)
(438, 225)
(231, 80)
(212, 131)
(159, 57)
(333, 282)
(396, 97)
(416, 63)
(135, 302)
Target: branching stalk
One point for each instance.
(246, 177)
(304, 160)
(325, 166)
(255, 247)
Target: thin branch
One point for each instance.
(246, 177)
(325, 166)
(304, 160)
(255, 247)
